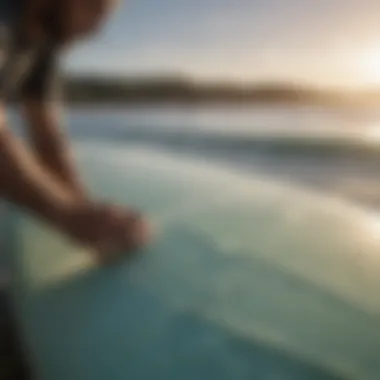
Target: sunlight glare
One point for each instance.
(372, 135)
(373, 227)
(370, 67)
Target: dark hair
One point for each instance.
(51, 19)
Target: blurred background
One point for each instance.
(278, 91)
(288, 88)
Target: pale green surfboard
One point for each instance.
(246, 280)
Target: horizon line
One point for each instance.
(232, 82)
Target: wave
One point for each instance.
(289, 145)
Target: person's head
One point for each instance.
(73, 19)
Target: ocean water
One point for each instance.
(336, 151)
(286, 290)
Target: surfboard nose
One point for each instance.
(247, 279)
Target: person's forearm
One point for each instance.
(24, 182)
(51, 145)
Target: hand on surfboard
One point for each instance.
(109, 230)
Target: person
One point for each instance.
(42, 178)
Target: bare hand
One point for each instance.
(109, 230)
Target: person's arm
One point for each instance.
(50, 142)
(23, 180)
(40, 94)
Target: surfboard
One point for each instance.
(246, 279)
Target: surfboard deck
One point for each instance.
(246, 279)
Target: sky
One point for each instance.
(330, 43)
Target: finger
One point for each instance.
(140, 236)
(106, 255)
